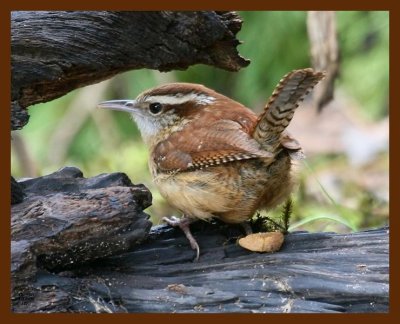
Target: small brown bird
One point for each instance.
(210, 156)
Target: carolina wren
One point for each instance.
(210, 156)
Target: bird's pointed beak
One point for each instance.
(121, 105)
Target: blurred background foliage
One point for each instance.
(344, 183)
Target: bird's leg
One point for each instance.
(184, 225)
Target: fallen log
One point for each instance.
(125, 268)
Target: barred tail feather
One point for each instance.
(281, 106)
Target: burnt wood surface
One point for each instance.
(54, 52)
(83, 245)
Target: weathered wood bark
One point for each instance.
(75, 249)
(66, 219)
(54, 52)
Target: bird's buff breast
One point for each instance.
(197, 194)
(232, 192)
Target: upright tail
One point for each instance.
(281, 106)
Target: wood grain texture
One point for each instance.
(313, 272)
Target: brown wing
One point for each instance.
(221, 142)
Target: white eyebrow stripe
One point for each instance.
(179, 98)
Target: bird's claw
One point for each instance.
(184, 225)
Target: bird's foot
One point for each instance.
(184, 225)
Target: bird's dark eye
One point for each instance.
(155, 107)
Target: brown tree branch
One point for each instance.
(54, 52)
